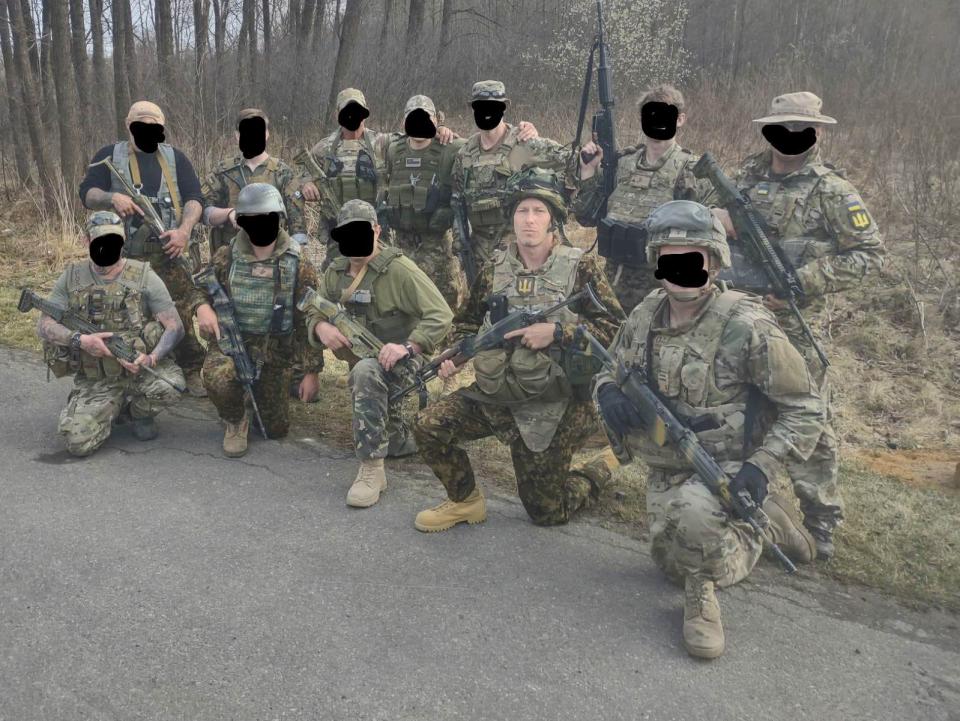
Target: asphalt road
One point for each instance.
(159, 580)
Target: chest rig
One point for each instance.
(680, 364)
(353, 168)
(639, 190)
(485, 174)
(415, 191)
(140, 243)
(263, 292)
(117, 306)
(390, 326)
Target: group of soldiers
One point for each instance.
(731, 363)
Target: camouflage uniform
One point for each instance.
(642, 186)
(822, 225)
(543, 431)
(344, 170)
(224, 184)
(418, 209)
(398, 303)
(480, 176)
(252, 285)
(705, 370)
(102, 387)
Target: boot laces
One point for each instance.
(699, 594)
(445, 505)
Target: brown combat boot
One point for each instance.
(472, 509)
(195, 384)
(787, 531)
(370, 482)
(235, 438)
(702, 630)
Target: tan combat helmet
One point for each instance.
(684, 222)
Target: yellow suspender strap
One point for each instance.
(134, 167)
(171, 188)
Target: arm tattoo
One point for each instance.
(49, 330)
(191, 215)
(172, 332)
(98, 199)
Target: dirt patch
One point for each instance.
(939, 470)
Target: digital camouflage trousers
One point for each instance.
(94, 404)
(549, 496)
(379, 429)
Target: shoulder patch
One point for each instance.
(857, 212)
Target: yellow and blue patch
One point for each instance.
(859, 217)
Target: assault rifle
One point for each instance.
(231, 339)
(493, 337)
(603, 125)
(752, 234)
(120, 348)
(663, 427)
(461, 226)
(363, 343)
(151, 217)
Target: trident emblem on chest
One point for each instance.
(414, 180)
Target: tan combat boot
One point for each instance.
(195, 384)
(786, 530)
(702, 630)
(370, 482)
(235, 438)
(473, 509)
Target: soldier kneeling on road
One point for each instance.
(121, 297)
(719, 361)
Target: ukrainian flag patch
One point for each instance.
(859, 217)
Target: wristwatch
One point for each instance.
(558, 332)
(75, 341)
(410, 351)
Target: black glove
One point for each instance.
(752, 480)
(620, 415)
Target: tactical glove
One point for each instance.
(752, 480)
(618, 412)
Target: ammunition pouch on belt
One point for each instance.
(485, 211)
(59, 360)
(521, 375)
(624, 243)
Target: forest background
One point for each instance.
(888, 71)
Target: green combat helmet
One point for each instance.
(684, 222)
(260, 199)
(104, 222)
(536, 183)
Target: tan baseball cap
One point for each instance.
(104, 222)
(489, 90)
(143, 111)
(420, 102)
(248, 113)
(354, 210)
(802, 107)
(351, 95)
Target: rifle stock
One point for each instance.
(363, 343)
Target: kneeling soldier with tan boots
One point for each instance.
(387, 293)
(719, 361)
(263, 275)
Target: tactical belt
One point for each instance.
(624, 243)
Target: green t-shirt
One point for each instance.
(155, 293)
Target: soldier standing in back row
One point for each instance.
(253, 165)
(656, 171)
(818, 220)
(486, 162)
(166, 176)
(418, 179)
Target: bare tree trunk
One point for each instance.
(28, 89)
(99, 64)
(81, 63)
(130, 52)
(11, 76)
(446, 15)
(201, 24)
(67, 116)
(267, 37)
(739, 20)
(34, 43)
(293, 16)
(163, 24)
(247, 26)
(46, 64)
(316, 42)
(414, 24)
(387, 23)
(121, 80)
(348, 42)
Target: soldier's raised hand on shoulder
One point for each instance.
(94, 345)
(445, 135)
(124, 206)
(330, 336)
(526, 131)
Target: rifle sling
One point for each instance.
(167, 177)
(355, 283)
